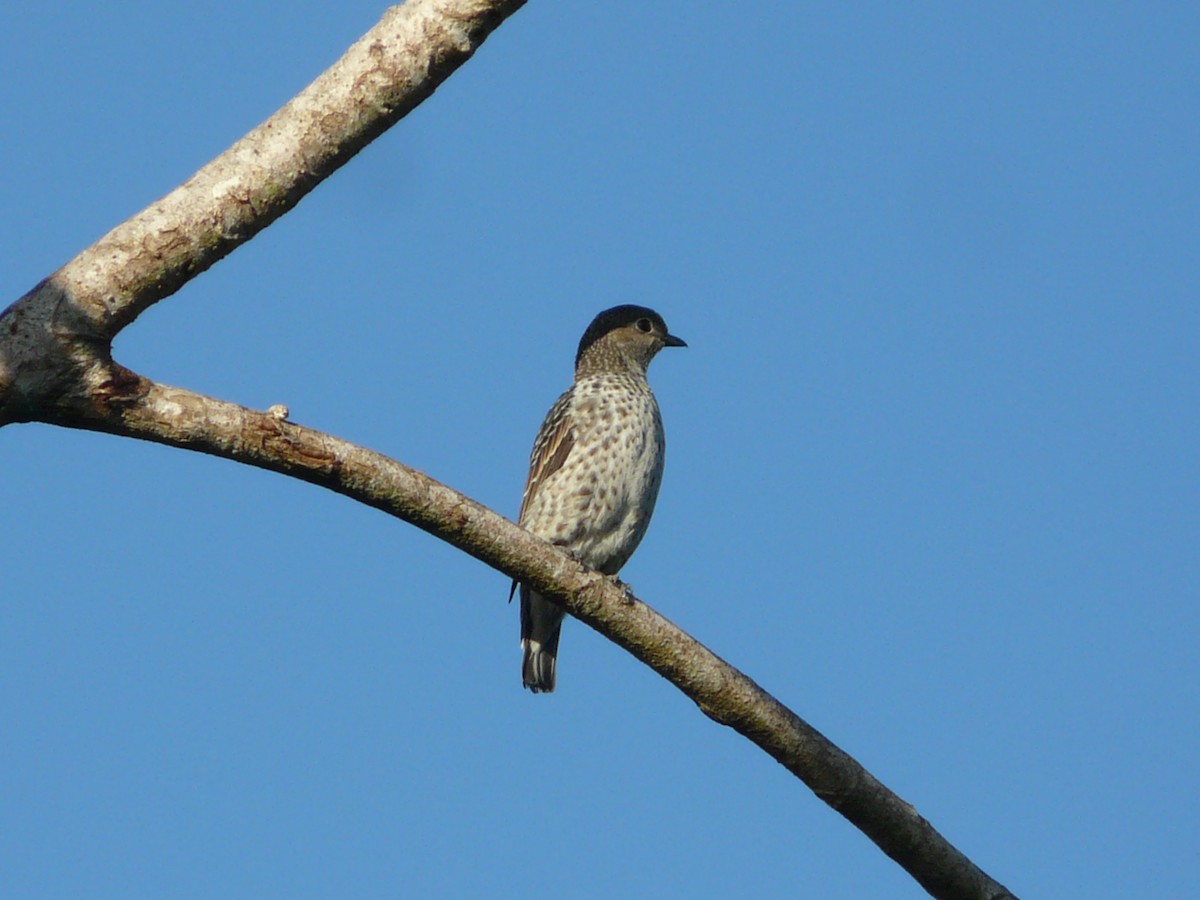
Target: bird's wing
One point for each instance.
(550, 450)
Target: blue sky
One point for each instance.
(931, 478)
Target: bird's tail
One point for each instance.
(541, 625)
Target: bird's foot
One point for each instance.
(626, 589)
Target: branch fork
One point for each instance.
(56, 366)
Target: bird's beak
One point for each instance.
(671, 341)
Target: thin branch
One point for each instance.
(56, 367)
(185, 419)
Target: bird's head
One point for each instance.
(623, 337)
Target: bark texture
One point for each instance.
(56, 366)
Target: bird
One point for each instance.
(595, 468)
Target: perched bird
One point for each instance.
(595, 468)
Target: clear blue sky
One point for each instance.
(931, 478)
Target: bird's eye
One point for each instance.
(645, 326)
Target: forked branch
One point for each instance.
(56, 367)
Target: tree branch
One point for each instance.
(56, 367)
(181, 418)
(385, 74)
